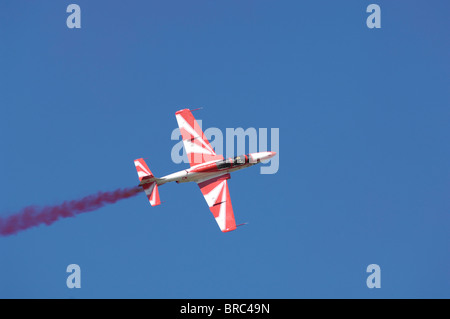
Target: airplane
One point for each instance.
(209, 170)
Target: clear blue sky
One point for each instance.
(364, 157)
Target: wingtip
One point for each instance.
(233, 228)
(187, 110)
(227, 230)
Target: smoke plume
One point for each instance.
(33, 216)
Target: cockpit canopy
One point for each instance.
(233, 162)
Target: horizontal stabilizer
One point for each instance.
(148, 181)
(142, 169)
(151, 190)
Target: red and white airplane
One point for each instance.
(209, 170)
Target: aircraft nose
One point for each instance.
(261, 156)
(269, 155)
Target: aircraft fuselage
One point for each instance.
(211, 169)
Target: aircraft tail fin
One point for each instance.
(148, 182)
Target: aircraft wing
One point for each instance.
(217, 196)
(195, 143)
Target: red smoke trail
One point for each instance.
(32, 215)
